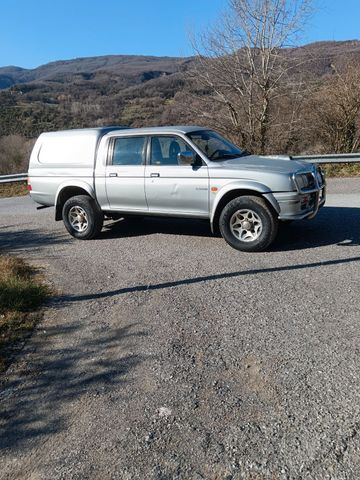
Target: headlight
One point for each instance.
(305, 181)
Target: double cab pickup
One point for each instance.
(96, 173)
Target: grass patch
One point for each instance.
(15, 189)
(21, 294)
(342, 170)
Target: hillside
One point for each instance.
(87, 91)
(132, 67)
(126, 90)
(120, 88)
(136, 68)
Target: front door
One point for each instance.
(173, 188)
(125, 182)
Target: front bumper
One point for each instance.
(298, 205)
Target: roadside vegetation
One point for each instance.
(21, 295)
(342, 170)
(15, 189)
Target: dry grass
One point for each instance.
(13, 189)
(342, 170)
(21, 294)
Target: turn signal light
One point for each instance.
(305, 200)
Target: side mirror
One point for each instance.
(186, 158)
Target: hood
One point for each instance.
(276, 164)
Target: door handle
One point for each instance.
(113, 174)
(154, 174)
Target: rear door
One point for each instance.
(173, 188)
(125, 170)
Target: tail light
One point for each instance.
(29, 187)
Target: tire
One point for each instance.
(82, 217)
(248, 224)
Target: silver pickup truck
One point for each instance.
(97, 173)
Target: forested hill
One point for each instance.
(137, 68)
(131, 67)
(121, 89)
(128, 90)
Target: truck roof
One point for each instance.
(100, 131)
(92, 130)
(166, 129)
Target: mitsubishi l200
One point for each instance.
(91, 174)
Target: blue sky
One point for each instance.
(38, 31)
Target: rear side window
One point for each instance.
(128, 151)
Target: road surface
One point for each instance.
(166, 354)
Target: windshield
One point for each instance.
(214, 146)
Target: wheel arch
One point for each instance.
(66, 191)
(226, 195)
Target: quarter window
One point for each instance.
(128, 151)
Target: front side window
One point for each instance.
(165, 149)
(214, 146)
(128, 151)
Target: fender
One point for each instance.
(74, 184)
(248, 185)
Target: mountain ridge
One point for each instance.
(335, 45)
(121, 65)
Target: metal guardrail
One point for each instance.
(320, 159)
(18, 177)
(331, 158)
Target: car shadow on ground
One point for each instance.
(138, 226)
(33, 400)
(201, 279)
(34, 239)
(332, 226)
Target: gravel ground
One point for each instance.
(165, 354)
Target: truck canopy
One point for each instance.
(68, 147)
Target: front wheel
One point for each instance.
(82, 217)
(248, 224)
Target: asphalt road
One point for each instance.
(166, 354)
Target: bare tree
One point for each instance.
(14, 153)
(246, 67)
(336, 110)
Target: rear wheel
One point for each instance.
(82, 217)
(248, 224)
